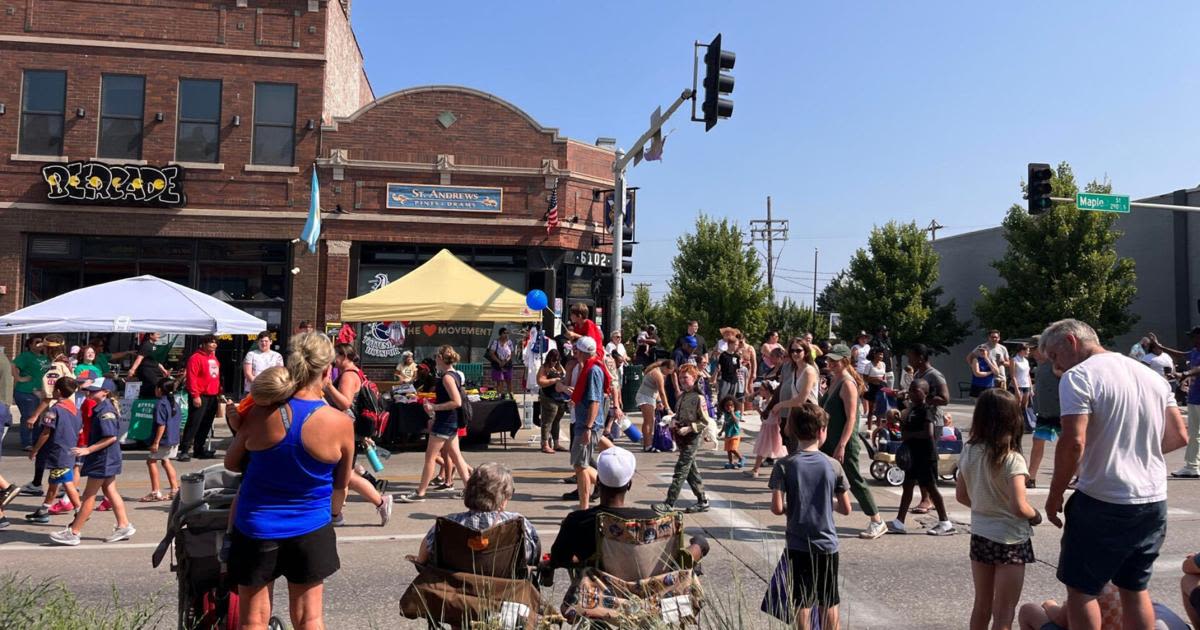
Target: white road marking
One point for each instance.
(89, 545)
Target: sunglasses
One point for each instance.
(796, 350)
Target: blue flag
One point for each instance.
(312, 227)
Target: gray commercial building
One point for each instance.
(1159, 241)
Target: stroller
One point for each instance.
(206, 600)
(883, 459)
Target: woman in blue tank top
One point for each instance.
(296, 459)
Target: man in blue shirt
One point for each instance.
(1191, 458)
(589, 413)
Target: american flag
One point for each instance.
(552, 212)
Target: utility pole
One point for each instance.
(933, 228)
(816, 257)
(768, 231)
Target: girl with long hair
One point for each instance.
(443, 424)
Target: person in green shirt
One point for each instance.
(28, 368)
(86, 363)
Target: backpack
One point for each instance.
(370, 415)
(465, 414)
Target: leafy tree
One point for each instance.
(894, 283)
(717, 281)
(793, 320)
(641, 312)
(1062, 263)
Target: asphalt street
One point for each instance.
(910, 581)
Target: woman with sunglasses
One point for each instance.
(799, 381)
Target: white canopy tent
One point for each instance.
(132, 305)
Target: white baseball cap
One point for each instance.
(586, 345)
(615, 467)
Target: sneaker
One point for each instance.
(338, 520)
(65, 537)
(385, 510)
(874, 530)
(8, 494)
(1186, 473)
(663, 508)
(730, 466)
(104, 506)
(62, 506)
(943, 528)
(572, 495)
(570, 480)
(894, 526)
(411, 497)
(183, 458)
(31, 490)
(38, 516)
(121, 533)
(699, 506)
(4, 522)
(1030, 482)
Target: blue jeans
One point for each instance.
(27, 404)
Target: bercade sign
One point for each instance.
(110, 183)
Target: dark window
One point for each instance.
(121, 111)
(274, 124)
(42, 109)
(198, 136)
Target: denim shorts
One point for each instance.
(444, 428)
(1105, 542)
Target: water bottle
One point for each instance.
(373, 457)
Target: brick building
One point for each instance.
(178, 138)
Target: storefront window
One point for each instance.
(51, 278)
(121, 113)
(248, 251)
(242, 282)
(100, 272)
(274, 124)
(199, 130)
(42, 108)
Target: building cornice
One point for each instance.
(173, 48)
(549, 168)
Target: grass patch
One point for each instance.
(49, 605)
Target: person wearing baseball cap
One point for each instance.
(576, 541)
(591, 397)
(841, 403)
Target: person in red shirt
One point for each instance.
(204, 386)
(581, 326)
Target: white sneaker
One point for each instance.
(874, 530)
(30, 490)
(943, 528)
(121, 533)
(1186, 473)
(65, 537)
(385, 510)
(894, 526)
(338, 520)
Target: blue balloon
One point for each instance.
(536, 300)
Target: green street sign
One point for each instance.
(1102, 203)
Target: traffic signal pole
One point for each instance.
(620, 164)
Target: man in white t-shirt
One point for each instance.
(259, 359)
(860, 353)
(1118, 422)
(1159, 361)
(615, 349)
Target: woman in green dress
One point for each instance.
(841, 402)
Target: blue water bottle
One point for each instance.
(373, 457)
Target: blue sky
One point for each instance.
(848, 114)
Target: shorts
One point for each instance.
(1048, 428)
(814, 579)
(1130, 535)
(642, 400)
(923, 469)
(164, 452)
(732, 443)
(445, 429)
(584, 456)
(303, 559)
(726, 389)
(987, 551)
(61, 475)
(502, 374)
(977, 390)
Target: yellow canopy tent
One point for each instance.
(444, 289)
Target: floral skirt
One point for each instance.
(987, 551)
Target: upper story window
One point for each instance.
(198, 136)
(274, 124)
(122, 100)
(42, 112)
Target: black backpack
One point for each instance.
(465, 414)
(370, 415)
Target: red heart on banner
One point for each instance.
(429, 329)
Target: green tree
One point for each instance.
(893, 282)
(642, 311)
(1062, 263)
(793, 320)
(717, 281)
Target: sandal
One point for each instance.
(920, 510)
(153, 497)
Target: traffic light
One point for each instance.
(1039, 188)
(717, 83)
(627, 249)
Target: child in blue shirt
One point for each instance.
(61, 424)
(731, 430)
(164, 441)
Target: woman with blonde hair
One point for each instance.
(841, 402)
(296, 460)
(444, 421)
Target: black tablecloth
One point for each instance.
(407, 421)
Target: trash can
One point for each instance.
(633, 381)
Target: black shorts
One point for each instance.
(987, 551)
(923, 469)
(814, 579)
(1105, 542)
(303, 559)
